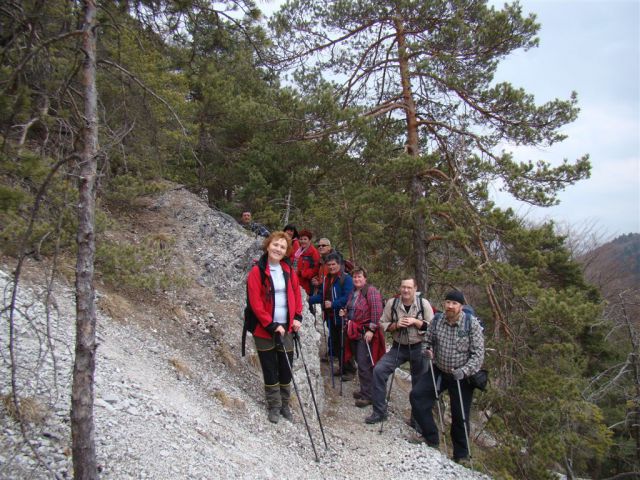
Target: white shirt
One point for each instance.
(280, 291)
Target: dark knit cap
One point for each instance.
(455, 296)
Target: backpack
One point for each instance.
(250, 319)
(481, 377)
(348, 265)
(396, 300)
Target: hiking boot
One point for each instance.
(347, 376)
(274, 402)
(285, 411)
(464, 461)
(375, 417)
(413, 424)
(415, 438)
(357, 395)
(350, 367)
(363, 402)
(274, 415)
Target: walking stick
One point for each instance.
(330, 344)
(295, 386)
(393, 375)
(296, 339)
(368, 348)
(464, 422)
(435, 388)
(341, 360)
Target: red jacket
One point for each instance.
(308, 265)
(295, 245)
(261, 297)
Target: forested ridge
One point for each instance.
(377, 125)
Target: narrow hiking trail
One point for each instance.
(174, 398)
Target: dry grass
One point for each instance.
(31, 409)
(180, 313)
(160, 240)
(254, 361)
(115, 306)
(227, 358)
(227, 401)
(180, 366)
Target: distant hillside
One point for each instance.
(614, 266)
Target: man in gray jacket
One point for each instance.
(406, 318)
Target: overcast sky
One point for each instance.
(591, 47)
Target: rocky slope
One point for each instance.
(174, 399)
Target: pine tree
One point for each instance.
(430, 66)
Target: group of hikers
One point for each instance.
(444, 350)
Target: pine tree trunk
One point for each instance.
(413, 149)
(82, 427)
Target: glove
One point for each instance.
(428, 354)
(458, 374)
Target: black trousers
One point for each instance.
(336, 339)
(423, 397)
(273, 362)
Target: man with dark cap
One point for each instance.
(455, 348)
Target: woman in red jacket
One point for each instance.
(274, 295)
(306, 260)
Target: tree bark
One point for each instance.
(82, 395)
(413, 149)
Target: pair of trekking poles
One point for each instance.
(329, 343)
(464, 417)
(438, 401)
(298, 349)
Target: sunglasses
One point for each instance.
(322, 245)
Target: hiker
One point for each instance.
(363, 311)
(332, 296)
(406, 317)
(248, 224)
(274, 294)
(456, 355)
(292, 232)
(324, 249)
(306, 260)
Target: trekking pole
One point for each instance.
(435, 388)
(330, 345)
(393, 375)
(464, 422)
(341, 361)
(296, 339)
(315, 319)
(295, 386)
(368, 348)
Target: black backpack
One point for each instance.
(396, 300)
(250, 319)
